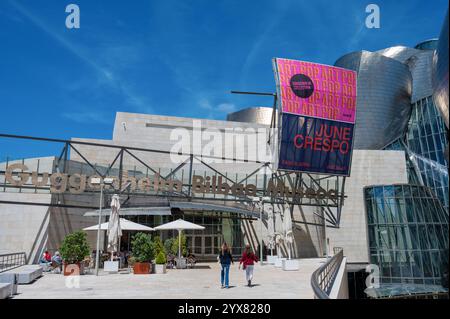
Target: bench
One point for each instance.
(5, 290)
(25, 274)
(10, 278)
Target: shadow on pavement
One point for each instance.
(201, 267)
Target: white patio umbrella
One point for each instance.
(124, 225)
(114, 231)
(288, 233)
(179, 225)
(278, 232)
(270, 230)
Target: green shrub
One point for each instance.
(168, 244)
(159, 246)
(75, 247)
(160, 258)
(142, 248)
(183, 245)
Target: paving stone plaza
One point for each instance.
(201, 282)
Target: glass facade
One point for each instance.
(426, 140)
(408, 234)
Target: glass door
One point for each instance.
(212, 245)
(204, 246)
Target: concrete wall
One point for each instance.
(24, 228)
(34, 229)
(154, 132)
(340, 285)
(369, 167)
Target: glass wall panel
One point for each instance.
(408, 233)
(426, 139)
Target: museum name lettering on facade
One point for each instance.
(17, 175)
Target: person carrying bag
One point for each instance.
(248, 261)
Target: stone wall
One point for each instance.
(369, 167)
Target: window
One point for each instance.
(407, 232)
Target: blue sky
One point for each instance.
(169, 57)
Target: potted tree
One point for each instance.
(142, 250)
(168, 244)
(158, 247)
(170, 256)
(160, 263)
(74, 249)
(183, 245)
(181, 263)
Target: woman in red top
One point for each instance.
(46, 257)
(248, 260)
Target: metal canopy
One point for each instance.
(211, 207)
(315, 183)
(157, 211)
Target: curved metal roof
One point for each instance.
(384, 98)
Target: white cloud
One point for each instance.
(109, 76)
(226, 107)
(92, 117)
(216, 109)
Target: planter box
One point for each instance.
(73, 269)
(21, 275)
(290, 264)
(279, 262)
(10, 278)
(271, 259)
(160, 268)
(181, 263)
(111, 266)
(142, 268)
(5, 290)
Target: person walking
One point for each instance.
(248, 261)
(225, 259)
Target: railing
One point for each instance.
(11, 261)
(323, 278)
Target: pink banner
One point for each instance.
(316, 90)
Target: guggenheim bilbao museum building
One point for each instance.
(391, 211)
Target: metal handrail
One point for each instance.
(322, 279)
(12, 260)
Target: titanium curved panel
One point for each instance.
(420, 64)
(430, 44)
(383, 102)
(399, 53)
(260, 115)
(440, 73)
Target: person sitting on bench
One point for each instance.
(46, 258)
(191, 259)
(57, 261)
(171, 263)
